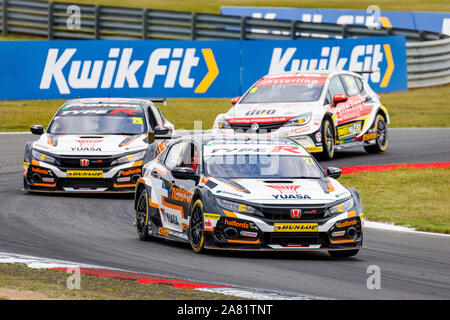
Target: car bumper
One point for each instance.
(44, 177)
(341, 232)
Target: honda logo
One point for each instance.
(84, 162)
(296, 213)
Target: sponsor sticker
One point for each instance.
(211, 216)
(164, 232)
(296, 227)
(84, 174)
(370, 136)
(347, 223)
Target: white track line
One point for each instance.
(46, 263)
(393, 227)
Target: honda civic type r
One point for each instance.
(244, 193)
(323, 111)
(94, 145)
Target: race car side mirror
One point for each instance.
(184, 173)
(37, 129)
(235, 100)
(162, 130)
(334, 172)
(339, 98)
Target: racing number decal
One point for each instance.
(308, 161)
(137, 120)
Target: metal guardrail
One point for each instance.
(428, 63)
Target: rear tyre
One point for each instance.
(196, 227)
(382, 136)
(142, 221)
(343, 253)
(328, 140)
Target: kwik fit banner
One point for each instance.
(174, 68)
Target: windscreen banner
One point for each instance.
(185, 69)
(438, 22)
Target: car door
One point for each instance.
(359, 107)
(163, 181)
(342, 110)
(183, 189)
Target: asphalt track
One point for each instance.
(99, 230)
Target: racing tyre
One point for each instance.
(343, 253)
(382, 136)
(328, 140)
(142, 223)
(196, 227)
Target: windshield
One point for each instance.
(98, 120)
(285, 90)
(261, 166)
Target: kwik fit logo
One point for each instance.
(362, 58)
(173, 67)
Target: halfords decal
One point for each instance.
(384, 70)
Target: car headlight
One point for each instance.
(300, 120)
(131, 157)
(238, 207)
(341, 207)
(221, 123)
(42, 156)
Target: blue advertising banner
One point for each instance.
(166, 68)
(106, 68)
(428, 21)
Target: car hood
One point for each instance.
(270, 112)
(281, 191)
(95, 145)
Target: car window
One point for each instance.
(351, 85)
(191, 157)
(336, 86)
(328, 98)
(175, 155)
(156, 115)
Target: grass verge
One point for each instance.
(18, 282)
(415, 198)
(426, 107)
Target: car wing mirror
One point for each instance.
(337, 98)
(334, 172)
(184, 173)
(235, 100)
(37, 129)
(161, 130)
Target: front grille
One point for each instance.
(291, 238)
(263, 127)
(284, 213)
(84, 183)
(94, 162)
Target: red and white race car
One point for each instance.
(323, 111)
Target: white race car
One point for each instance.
(246, 192)
(94, 145)
(323, 111)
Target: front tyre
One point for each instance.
(142, 222)
(343, 253)
(328, 140)
(382, 141)
(196, 227)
